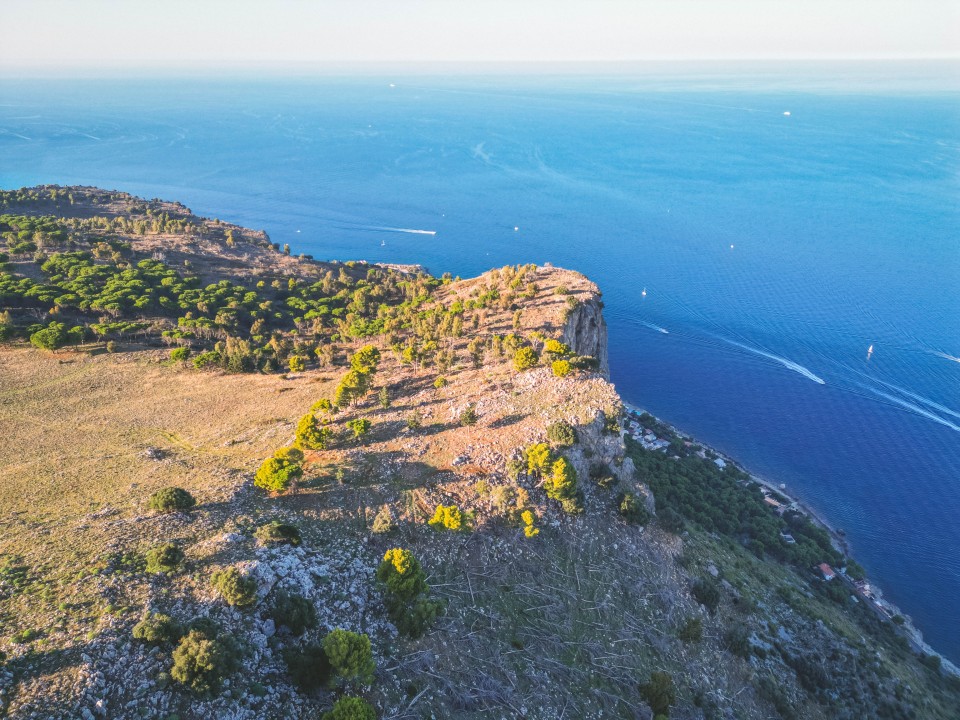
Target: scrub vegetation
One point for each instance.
(302, 489)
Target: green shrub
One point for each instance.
(383, 523)
(351, 708)
(297, 364)
(561, 434)
(671, 520)
(525, 358)
(365, 360)
(440, 382)
(406, 586)
(310, 434)
(632, 509)
(201, 661)
(707, 592)
(350, 655)
(180, 353)
(692, 630)
(529, 519)
(164, 558)
(52, 337)
(561, 368)
(601, 474)
(111, 346)
(659, 692)
(555, 348)
(276, 474)
(561, 485)
(157, 628)
(469, 415)
(236, 588)
(278, 532)
(309, 668)
(539, 459)
(290, 454)
(414, 420)
(171, 499)
(448, 517)
(402, 574)
(359, 426)
(738, 640)
(294, 612)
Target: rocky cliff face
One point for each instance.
(586, 332)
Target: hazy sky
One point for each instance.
(63, 34)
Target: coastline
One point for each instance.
(880, 605)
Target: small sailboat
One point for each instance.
(382, 243)
(644, 292)
(869, 352)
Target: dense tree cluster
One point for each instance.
(728, 502)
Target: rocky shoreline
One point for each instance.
(839, 539)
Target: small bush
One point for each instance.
(707, 593)
(164, 558)
(469, 415)
(297, 364)
(277, 474)
(278, 532)
(179, 354)
(402, 574)
(290, 454)
(309, 668)
(52, 337)
(529, 519)
(561, 485)
(632, 509)
(359, 426)
(383, 523)
(236, 588)
(539, 459)
(351, 708)
(556, 349)
(414, 420)
(310, 434)
(738, 640)
(448, 517)
(157, 628)
(350, 655)
(561, 368)
(406, 586)
(111, 346)
(525, 358)
(561, 433)
(440, 382)
(201, 661)
(171, 499)
(671, 520)
(659, 692)
(692, 630)
(294, 612)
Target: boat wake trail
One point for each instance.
(914, 408)
(410, 231)
(945, 356)
(789, 364)
(654, 327)
(379, 228)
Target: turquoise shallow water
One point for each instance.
(775, 249)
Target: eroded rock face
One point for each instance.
(586, 333)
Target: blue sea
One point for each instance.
(782, 220)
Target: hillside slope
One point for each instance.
(561, 590)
